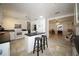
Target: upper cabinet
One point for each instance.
(77, 13)
(39, 25)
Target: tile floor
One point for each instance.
(56, 47)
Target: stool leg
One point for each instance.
(46, 42)
(34, 47)
(41, 45)
(38, 48)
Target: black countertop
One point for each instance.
(11, 30)
(4, 37)
(7, 31)
(33, 34)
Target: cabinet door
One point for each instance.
(5, 49)
(31, 43)
(12, 35)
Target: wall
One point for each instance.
(77, 30)
(76, 22)
(1, 16)
(0, 19)
(9, 22)
(66, 24)
(40, 23)
(12, 17)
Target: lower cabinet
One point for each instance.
(12, 35)
(5, 49)
(30, 42)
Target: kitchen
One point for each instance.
(14, 26)
(21, 24)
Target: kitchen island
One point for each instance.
(30, 38)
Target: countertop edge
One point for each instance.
(31, 34)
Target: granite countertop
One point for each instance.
(7, 31)
(4, 41)
(12, 30)
(33, 34)
(4, 37)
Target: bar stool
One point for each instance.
(44, 39)
(38, 45)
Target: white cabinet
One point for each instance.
(24, 32)
(40, 24)
(12, 35)
(30, 42)
(5, 49)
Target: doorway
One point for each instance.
(58, 28)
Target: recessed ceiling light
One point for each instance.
(41, 16)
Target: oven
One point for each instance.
(18, 31)
(18, 34)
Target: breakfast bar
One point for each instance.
(30, 38)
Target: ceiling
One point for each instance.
(61, 20)
(32, 10)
